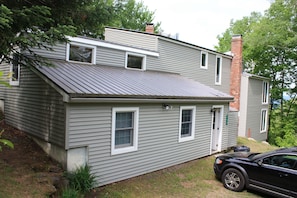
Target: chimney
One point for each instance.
(150, 28)
(236, 70)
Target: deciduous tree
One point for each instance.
(41, 24)
(270, 45)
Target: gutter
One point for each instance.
(146, 100)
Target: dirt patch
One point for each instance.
(26, 166)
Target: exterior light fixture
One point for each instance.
(166, 106)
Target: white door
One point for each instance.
(216, 129)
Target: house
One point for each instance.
(134, 103)
(254, 101)
(251, 97)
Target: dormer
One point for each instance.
(95, 51)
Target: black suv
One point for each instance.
(274, 172)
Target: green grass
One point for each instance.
(192, 179)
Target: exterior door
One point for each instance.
(216, 129)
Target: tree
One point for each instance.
(270, 45)
(242, 27)
(26, 26)
(134, 16)
(41, 24)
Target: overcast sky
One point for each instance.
(200, 21)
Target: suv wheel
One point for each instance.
(233, 180)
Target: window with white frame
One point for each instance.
(263, 123)
(81, 53)
(265, 92)
(204, 60)
(135, 61)
(218, 70)
(187, 123)
(124, 130)
(14, 70)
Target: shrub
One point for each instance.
(81, 179)
(70, 193)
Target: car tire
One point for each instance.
(233, 180)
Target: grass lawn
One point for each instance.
(192, 179)
(26, 171)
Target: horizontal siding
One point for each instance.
(5, 69)
(35, 108)
(225, 131)
(107, 56)
(186, 61)
(132, 39)
(254, 107)
(58, 52)
(90, 125)
(232, 128)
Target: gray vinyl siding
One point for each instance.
(254, 108)
(112, 57)
(135, 39)
(158, 146)
(5, 68)
(232, 128)
(226, 129)
(186, 61)
(35, 108)
(104, 56)
(58, 52)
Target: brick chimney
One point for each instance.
(236, 70)
(150, 28)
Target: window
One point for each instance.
(81, 53)
(204, 60)
(124, 130)
(263, 124)
(135, 61)
(284, 161)
(218, 70)
(265, 92)
(187, 123)
(15, 70)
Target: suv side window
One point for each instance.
(285, 161)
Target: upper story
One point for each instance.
(147, 52)
(204, 65)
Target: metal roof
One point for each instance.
(95, 81)
(173, 40)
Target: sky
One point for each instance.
(200, 21)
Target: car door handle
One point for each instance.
(283, 175)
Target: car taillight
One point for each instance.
(219, 161)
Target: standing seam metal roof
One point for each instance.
(84, 80)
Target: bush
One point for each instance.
(81, 179)
(70, 193)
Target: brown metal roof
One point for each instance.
(90, 81)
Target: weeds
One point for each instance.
(81, 180)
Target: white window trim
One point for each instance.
(115, 151)
(206, 60)
(143, 68)
(101, 43)
(266, 120)
(220, 74)
(11, 81)
(267, 93)
(83, 45)
(192, 137)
